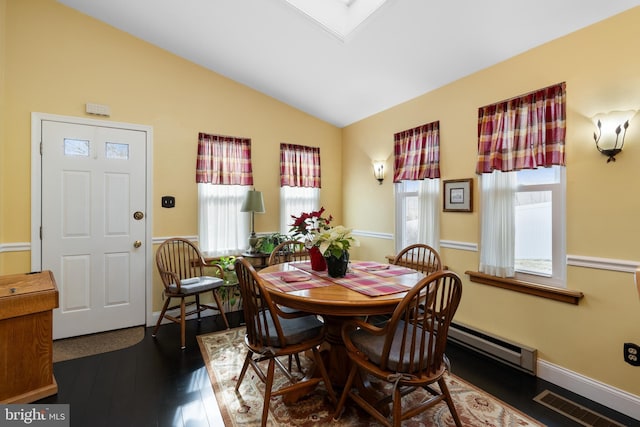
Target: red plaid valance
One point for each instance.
(224, 160)
(417, 153)
(525, 132)
(299, 166)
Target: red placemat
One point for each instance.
(383, 270)
(288, 281)
(360, 281)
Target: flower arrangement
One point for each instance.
(308, 224)
(335, 241)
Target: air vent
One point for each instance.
(572, 410)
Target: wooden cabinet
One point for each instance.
(26, 337)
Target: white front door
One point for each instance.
(93, 225)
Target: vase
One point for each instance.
(317, 260)
(337, 266)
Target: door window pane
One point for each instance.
(117, 151)
(76, 148)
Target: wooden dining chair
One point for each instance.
(288, 251)
(273, 333)
(407, 351)
(419, 257)
(181, 268)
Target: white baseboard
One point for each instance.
(604, 394)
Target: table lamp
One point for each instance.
(253, 203)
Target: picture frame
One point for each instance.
(458, 195)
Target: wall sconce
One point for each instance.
(610, 126)
(378, 171)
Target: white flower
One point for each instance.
(335, 241)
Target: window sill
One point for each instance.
(549, 292)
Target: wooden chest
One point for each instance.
(26, 337)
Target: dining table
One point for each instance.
(368, 289)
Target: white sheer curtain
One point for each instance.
(497, 242)
(429, 213)
(294, 201)
(222, 228)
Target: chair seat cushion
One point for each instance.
(295, 330)
(196, 285)
(372, 345)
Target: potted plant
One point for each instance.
(306, 226)
(334, 244)
(229, 293)
(270, 241)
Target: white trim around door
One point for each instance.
(36, 192)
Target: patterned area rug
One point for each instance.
(224, 353)
(88, 345)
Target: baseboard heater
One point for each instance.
(508, 352)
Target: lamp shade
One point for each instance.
(253, 202)
(608, 124)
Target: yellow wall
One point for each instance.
(3, 156)
(56, 60)
(601, 72)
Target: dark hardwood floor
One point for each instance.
(154, 383)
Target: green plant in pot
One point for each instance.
(228, 293)
(267, 243)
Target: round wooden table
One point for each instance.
(335, 303)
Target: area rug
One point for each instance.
(89, 345)
(224, 352)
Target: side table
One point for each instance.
(259, 260)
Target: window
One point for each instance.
(224, 176)
(299, 182)
(222, 228)
(417, 213)
(539, 226)
(416, 175)
(294, 201)
(406, 213)
(521, 160)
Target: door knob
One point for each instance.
(137, 244)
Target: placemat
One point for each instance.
(383, 270)
(359, 281)
(288, 281)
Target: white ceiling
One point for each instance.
(404, 49)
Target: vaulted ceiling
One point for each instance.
(403, 49)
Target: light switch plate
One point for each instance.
(168, 201)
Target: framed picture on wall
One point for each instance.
(458, 195)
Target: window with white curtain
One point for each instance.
(294, 201)
(416, 176)
(299, 182)
(224, 176)
(417, 213)
(223, 229)
(521, 162)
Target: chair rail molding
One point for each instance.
(15, 247)
(463, 246)
(620, 265)
(374, 234)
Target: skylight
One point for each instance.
(339, 17)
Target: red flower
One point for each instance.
(310, 222)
